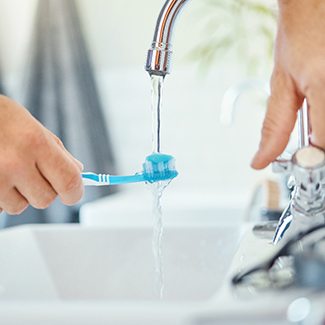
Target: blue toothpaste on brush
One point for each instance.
(157, 167)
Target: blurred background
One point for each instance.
(217, 44)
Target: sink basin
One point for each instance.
(103, 271)
(74, 274)
(71, 262)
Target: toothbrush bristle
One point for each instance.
(159, 167)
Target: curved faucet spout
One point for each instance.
(159, 55)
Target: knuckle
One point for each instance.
(4, 188)
(18, 208)
(269, 125)
(12, 166)
(58, 141)
(44, 201)
(272, 128)
(312, 77)
(35, 139)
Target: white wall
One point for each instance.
(119, 31)
(209, 156)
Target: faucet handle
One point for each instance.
(307, 204)
(309, 157)
(307, 179)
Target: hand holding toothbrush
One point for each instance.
(35, 167)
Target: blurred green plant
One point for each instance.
(239, 30)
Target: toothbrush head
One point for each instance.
(159, 167)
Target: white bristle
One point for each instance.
(161, 167)
(171, 164)
(148, 167)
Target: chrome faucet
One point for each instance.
(159, 55)
(307, 169)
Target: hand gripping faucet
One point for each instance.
(307, 181)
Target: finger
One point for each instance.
(63, 174)
(37, 190)
(74, 160)
(316, 101)
(13, 202)
(279, 121)
(61, 145)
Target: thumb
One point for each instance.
(281, 115)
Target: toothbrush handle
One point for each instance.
(92, 179)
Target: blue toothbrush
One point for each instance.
(157, 167)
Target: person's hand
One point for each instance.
(34, 165)
(299, 73)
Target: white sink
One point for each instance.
(102, 272)
(70, 274)
(76, 263)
